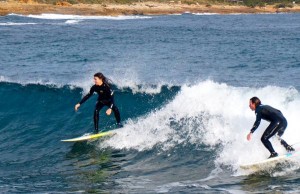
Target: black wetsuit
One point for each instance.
(105, 98)
(277, 125)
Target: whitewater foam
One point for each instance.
(2, 78)
(205, 14)
(79, 17)
(72, 21)
(130, 79)
(212, 114)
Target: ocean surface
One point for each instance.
(182, 84)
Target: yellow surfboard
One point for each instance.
(89, 137)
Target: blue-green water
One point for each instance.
(182, 84)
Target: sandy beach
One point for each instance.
(143, 8)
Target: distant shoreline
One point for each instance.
(142, 8)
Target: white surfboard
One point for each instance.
(272, 162)
(89, 137)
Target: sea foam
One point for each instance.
(79, 17)
(214, 114)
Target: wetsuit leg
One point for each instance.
(116, 113)
(115, 110)
(282, 127)
(98, 107)
(271, 130)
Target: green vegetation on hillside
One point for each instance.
(276, 3)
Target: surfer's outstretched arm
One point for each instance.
(255, 125)
(85, 98)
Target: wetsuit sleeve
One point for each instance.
(257, 122)
(86, 97)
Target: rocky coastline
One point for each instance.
(141, 8)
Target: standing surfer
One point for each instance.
(105, 98)
(277, 125)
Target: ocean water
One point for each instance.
(182, 84)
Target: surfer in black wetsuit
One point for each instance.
(277, 125)
(105, 98)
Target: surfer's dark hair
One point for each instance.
(256, 101)
(104, 79)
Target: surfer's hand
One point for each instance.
(249, 136)
(108, 112)
(77, 106)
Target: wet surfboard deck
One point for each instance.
(272, 162)
(87, 137)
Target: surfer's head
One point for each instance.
(99, 79)
(254, 102)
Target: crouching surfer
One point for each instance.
(277, 125)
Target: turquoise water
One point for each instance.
(182, 84)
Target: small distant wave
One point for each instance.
(176, 14)
(239, 66)
(251, 13)
(35, 82)
(72, 21)
(78, 17)
(205, 14)
(15, 24)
